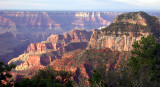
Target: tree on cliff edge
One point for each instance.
(47, 77)
(5, 74)
(144, 65)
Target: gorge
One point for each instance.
(80, 51)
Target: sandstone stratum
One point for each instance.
(35, 26)
(81, 51)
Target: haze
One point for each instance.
(99, 5)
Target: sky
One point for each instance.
(79, 4)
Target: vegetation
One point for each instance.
(5, 75)
(126, 27)
(141, 70)
(123, 24)
(47, 77)
(144, 64)
(132, 15)
(96, 80)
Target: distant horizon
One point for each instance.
(107, 10)
(80, 5)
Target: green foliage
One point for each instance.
(96, 79)
(46, 73)
(132, 15)
(122, 24)
(126, 27)
(32, 83)
(5, 74)
(65, 76)
(141, 70)
(144, 65)
(47, 78)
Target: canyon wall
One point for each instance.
(53, 48)
(56, 22)
(121, 42)
(82, 51)
(35, 26)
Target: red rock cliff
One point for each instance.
(58, 41)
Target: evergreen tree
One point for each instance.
(47, 77)
(5, 74)
(143, 66)
(96, 80)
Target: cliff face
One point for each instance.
(7, 25)
(36, 26)
(56, 45)
(100, 40)
(124, 31)
(56, 22)
(81, 52)
(82, 62)
(33, 47)
(74, 36)
(56, 42)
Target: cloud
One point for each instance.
(78, 4)
(140, 2)
(36, 4)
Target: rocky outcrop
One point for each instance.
(82, 62)
(124, 31)
(72, 47)
(7, 25)
(63, 42)
(47, 51)
(33, 47)
(106, 49)
(36, 26)
(75, 35)
(57, 22)
(100, 40)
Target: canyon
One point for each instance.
(80, 51)
(35, 26)
(52, 21)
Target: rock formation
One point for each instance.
(53, 48)
(124, 31)
(36, 26)
(81, 52)
(7, 25)
(56, 22)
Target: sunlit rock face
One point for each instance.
(56, 42)
(55, 22)
(100, 40)
(36, 26)
(53, 48)
(124, 31)
(42, 22)
(81, 51)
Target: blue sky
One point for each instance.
(79, 4)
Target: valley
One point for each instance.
(81, 51)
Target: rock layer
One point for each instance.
(47, 51)
(100, 40)
(106, 48)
